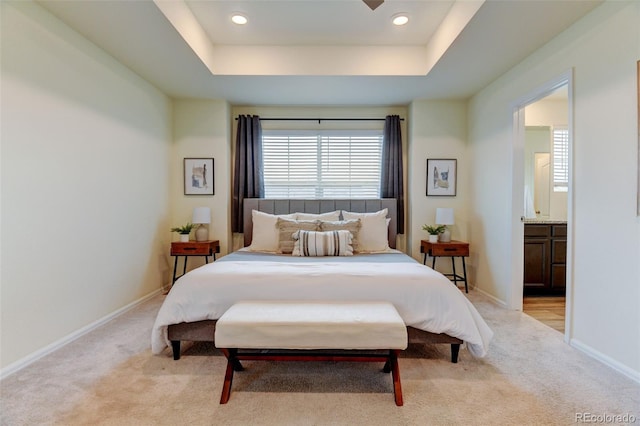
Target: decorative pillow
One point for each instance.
(373, 235)
(352, 226)
(329, 243)
(265, 233)
(286, 229)
(321, 216)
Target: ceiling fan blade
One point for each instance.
(373, 4)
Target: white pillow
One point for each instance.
(331, 216)
(373, 235)
(265, 235)
(318, 243)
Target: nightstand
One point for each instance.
(193, 248)
(451, 249)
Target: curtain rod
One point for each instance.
(322, 119)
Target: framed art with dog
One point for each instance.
(441, 177)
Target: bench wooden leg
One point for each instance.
(237, 365)
(228, 376)
(233, 364)
(395, 374)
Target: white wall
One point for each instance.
(201, 130)
(85, 188)
(438, 130)
(547, 112)
(329, 112)
(602, 50)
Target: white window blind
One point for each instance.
(560, 159)
(340, 164)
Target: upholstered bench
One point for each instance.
(303, 331)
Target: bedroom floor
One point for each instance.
(109, 377)
(549, 310)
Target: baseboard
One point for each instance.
(494, 299)
(29, 359)
(606, 360)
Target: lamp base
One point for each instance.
(445, 236)
(202, 233)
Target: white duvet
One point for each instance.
(424, 298)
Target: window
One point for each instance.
(311, 164)
(560, 159)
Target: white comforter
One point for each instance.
(424, 298)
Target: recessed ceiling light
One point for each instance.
(238, 18)
(400, 19)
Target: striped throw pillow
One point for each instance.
(329, 243)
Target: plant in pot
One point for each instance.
(184, 231)
(433, 231)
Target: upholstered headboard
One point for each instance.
(274, 206)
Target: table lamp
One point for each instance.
(444, 216)
(202, 216)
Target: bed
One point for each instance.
(433, 309)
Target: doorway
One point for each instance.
(541, 204)
(549, 310)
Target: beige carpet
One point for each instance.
(110, 377)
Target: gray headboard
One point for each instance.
(274, 206)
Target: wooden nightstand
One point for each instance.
(193, 248)
(451, 249)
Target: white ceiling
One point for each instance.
(310, 52)
(313, 22)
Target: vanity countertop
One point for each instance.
(545, 222)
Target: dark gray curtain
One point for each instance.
(248, 178)
(391, 184)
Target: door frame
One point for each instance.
(517, 195)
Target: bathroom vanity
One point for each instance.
(545, 254)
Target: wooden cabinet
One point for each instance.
(545, 253)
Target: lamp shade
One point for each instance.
(201, 215)
(444, 216)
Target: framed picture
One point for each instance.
(198, 176)
(441, 177)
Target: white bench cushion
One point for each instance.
(311, 325)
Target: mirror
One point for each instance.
(544, 198)
(537, 171)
